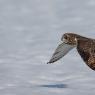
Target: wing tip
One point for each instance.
(49, 62)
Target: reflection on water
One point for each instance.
(54, 85)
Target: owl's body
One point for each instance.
(85, 47)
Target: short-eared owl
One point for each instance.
(85, 47)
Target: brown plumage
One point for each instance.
(85, 47)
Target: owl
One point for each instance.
(85, 47)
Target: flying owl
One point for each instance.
(85, 47)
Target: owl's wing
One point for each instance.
(82, 48)
(61, 51)
(87, 52)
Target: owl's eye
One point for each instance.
(65, 37)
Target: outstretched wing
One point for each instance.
(86, 50)
(61, 51)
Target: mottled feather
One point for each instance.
(86, 49)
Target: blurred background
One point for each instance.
(30, 30)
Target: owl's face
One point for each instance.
(69, 38)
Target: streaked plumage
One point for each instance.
(85, 47)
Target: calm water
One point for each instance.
(30, 30)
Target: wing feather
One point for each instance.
(61, 51)
(86, 50)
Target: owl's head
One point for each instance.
(70, 38)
